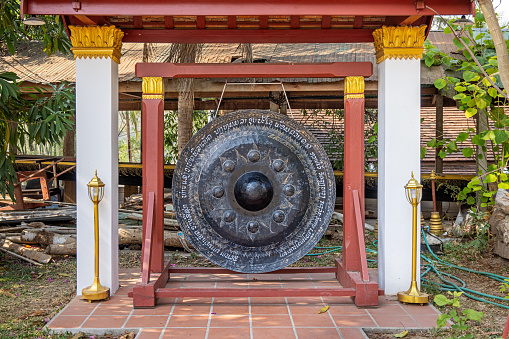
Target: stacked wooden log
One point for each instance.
(135, 202)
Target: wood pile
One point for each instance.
(36, 242)
(47, 215)
(135, 202)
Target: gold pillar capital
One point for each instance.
(96, 42)
(401, 42)
(354, 87)
(153, 88)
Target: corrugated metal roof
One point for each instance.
(32, 63)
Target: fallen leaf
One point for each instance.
(323, 309)
(78, 335)
(36, 313)
(64, 275)
(401, 335)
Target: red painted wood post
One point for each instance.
(353, 179)
(153, 164)
(147, 240)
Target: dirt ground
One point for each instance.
(31, 295)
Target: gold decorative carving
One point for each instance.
(96, 42)
(153, 88)
(402, 42)
(354, 87)
(152, 96)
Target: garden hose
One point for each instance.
(335, 249)
(448, 285)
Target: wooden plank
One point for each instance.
(250, 7)
(219, 270)
(360, 236)
(248, 35)
(271, 70)
(149, 238)
(254, 292)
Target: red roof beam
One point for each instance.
(247, 7)
(272, 70)
(247, 36)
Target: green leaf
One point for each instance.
(459, 96)
(470, 112)
(481, 103)
(477, 140)
(503, 185)
(442, 320)
(424, 150)
(432, 142)
(493, 61)
(467, 152)
(500, 136)
(490, 178)
(462, 137)
(440, 83)
(468, 75)
(460, 88)
(401, 334)
(458, 44)
(429, 62)
(471, 200)
(452, 146)
(442, 154)
(492, 92)
(442, 300)
(473, 314)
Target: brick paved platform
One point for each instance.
(237, 318)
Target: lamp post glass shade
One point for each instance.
(95, 189)
(413, 191)
(34, 21)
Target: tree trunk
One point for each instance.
(25, 252)
(439, 125)
(64, 249)
(481, 156)
(185, 118)
(128, 131)
(69, 151)
(498, 40)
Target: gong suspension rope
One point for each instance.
(254, 83)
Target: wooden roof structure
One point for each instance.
(248, 21)
(36, 68)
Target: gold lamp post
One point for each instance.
(413, 190)
(96, 291)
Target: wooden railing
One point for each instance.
(149, 237)
(360, 235)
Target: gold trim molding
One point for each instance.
(152, 85)
(354, 87)
(96, 42)
(402, 42)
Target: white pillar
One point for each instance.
(97, 149)
(399, 99)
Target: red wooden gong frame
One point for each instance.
(351, 270)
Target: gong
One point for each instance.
(253, 191)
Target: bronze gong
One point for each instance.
(253, 191)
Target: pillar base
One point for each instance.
(366, 292)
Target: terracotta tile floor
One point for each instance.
(251, 318)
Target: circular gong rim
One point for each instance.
(194, 203)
